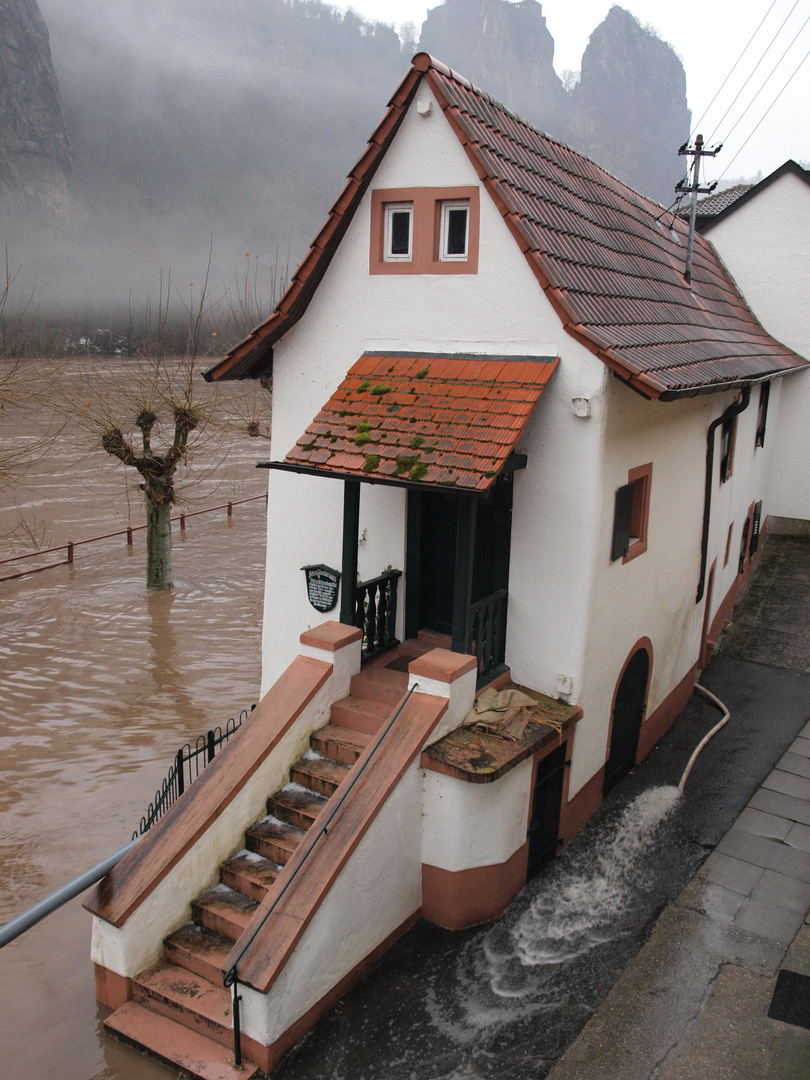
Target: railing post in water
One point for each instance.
(210, 750)
(70, 552)
(182, 523)
(230, 509)
(129, 536)
(181, 786)
(237, 1029)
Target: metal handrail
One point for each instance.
(128, 532)
(57, 899)
(230, 977)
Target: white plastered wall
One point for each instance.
(765, 244)
(500, 310)
(654, 595)
(467, 825)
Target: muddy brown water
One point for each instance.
(100, 682)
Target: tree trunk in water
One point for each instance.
(158, 545)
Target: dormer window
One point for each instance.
(454, 231)
(398, 232)
(424, 230)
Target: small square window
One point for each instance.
(398, 232)
(454, 236)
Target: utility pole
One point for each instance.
(697, 152)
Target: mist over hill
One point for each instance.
(183, 123)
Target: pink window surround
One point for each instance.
(426, 236)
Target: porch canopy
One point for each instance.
(441, 423)
(422, 418)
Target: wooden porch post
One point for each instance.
(351, 535)
(465, 554)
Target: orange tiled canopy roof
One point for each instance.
(610, 261)
(443, 420)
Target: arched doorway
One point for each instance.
(628, 713)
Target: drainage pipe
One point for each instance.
(732, 410)
(715, 701)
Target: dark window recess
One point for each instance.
(762, 415)
(622, 521)
(752, 547)
(457, 230)
(400, 232)
(726, 447)
(744, 545)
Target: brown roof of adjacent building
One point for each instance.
(610, 261)
(447, 420)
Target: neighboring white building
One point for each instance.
(763, 237)
(529, 451)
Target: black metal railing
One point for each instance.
(319, 828)
(187, 765)
(486, 632)
(375, 612)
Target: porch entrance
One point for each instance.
(628, 713)
(458, 568)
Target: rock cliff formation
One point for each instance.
(628, 112)
(504, 48)
(35, 160)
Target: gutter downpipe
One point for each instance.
(733, 410)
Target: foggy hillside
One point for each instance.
(191, 121)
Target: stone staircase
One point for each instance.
(180, 1012)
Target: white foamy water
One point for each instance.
(535, 958)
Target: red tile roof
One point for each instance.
(609, 260)
(444, 420)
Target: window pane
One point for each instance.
(457, 230)
(400, 232)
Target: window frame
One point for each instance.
(762, 413)
(389, 210)
(728, 430)
(631, 515)
(445, 208)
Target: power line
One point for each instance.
(733, 68)
(801, 62)
(756, 66)
(770, 76)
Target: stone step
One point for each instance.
(340, 743)
(250, 874)
(274, 839)
(223, 910)
(187, 998)
(198, 950)
(381, 686)
(319, 775)
(365, 714)
(175, 1045)
(296, 806)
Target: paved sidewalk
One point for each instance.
(693, 1004)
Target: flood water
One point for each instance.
(101, 682)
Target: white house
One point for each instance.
(533, 455)
(763, 237)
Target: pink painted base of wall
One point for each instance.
(457, 899)
(112, 989)
(660, 721)
(586, 802)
